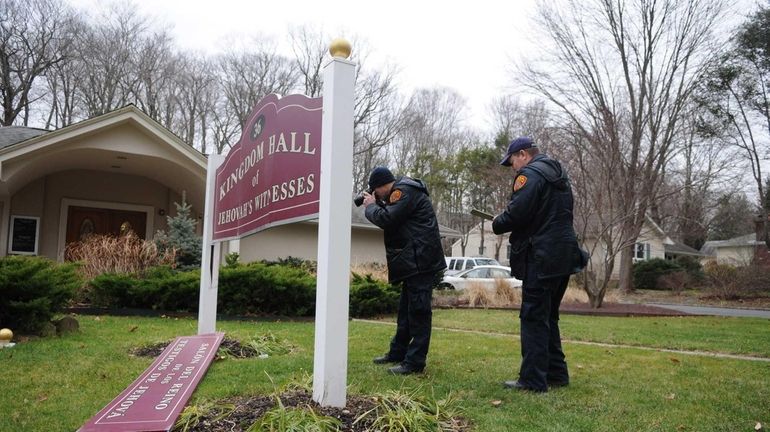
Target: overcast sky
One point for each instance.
(467, 46)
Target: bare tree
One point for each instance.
(249, 74)
(195, 88)
(434, 129)
(622, 72)
(310, 46)
(35, 36)
(106, 49)
(155, 66)
(735, 99)
(63, 84)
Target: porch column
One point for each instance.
(5, 218)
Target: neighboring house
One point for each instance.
(739, 251)
(123, 170)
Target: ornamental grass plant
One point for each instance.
(125, 254)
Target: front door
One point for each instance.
(82, 221)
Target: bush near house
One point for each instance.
(693, 267)
(731, 283)
(257, 288)
(32, 290)
(646, 273)
(370, 297)
(160, 288)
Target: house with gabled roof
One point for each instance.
(741, 250)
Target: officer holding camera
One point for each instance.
(401, 207)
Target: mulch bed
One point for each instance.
(235, 349)
(249, 409)
(618, 309)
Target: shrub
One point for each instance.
(479, 296)
(298, 263)
(127, 254)
(369, 297)
(232, 259)
(181, 237)
(693, 268)
(722, 279)
(170, 289)
(161, 288)
(675, 281)
(505, 294)
(730, 283)
(252, 289)
(32, 290)
(113, 290)
(646, 273)
(258, 288)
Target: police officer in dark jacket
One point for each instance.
(544, 253)
(401, 207)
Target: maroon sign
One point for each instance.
(155, 399)
(271, 176)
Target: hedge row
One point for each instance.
(251, 289)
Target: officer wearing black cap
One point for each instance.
(544, 253)
(401, 207)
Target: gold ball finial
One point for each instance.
(5, 336)
(340, 48)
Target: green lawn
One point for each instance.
(56, 384)
(744, 336)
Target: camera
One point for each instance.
(359, 198)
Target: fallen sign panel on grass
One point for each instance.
(153, 402)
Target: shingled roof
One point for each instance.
(10, 135)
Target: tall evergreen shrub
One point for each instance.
(181, 236)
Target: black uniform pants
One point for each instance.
(412, 339)
(542, 358)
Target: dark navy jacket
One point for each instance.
(539, 218)
(412, 240)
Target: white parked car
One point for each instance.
(455, 265)
(485, 276)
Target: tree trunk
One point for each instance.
(625, 283)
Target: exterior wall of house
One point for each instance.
(46, 198)
(490, 245)
(598, 251)
(735, 255)
(300, 240)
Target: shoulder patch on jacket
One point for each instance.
(395, 196)
(519, 183)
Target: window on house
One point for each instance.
(641, 251)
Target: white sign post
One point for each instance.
(330, 361)
(207, 306)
